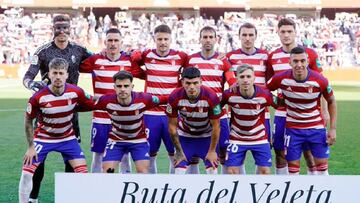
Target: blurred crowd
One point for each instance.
(336, 41)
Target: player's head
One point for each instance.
(287, 31)
(191, 81)
(245, 76)
(61, 28)
(247, 35)
(123, 84)
(162, 37)
(299, 62)
(113, 41)
(58, 72)
(207, 38)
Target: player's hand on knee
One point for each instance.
(179, 157)
(213, 158)
(331, 137)
(29, 155)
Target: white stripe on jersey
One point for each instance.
(246, 123)
(292, 82)
(195, 114)
(259, 68)
(301, 106)
(159, 91)
(101, 120)
(244, 56)
(56, 130)
(51, 97)
(162, 79)
(53, 140)
(185, 134)
(211, 84)
(132, 107)
(186, 102)
(301, 95)
(281, 67)
(199, 60)
(58, 109)
(104, 85)
(251, 132)
(250, 137)
(126, 118)
(162, 67)
(129, 135)
(136, 141)
(280, 55)
(169, 57)
(248, 112)
(127, 127)
(259, 80)
(105, 73)
(265, 141)
(58, 120)
(198, 123)
(106, 62)
(295, 115)
(211, 72)
(290, 119)
(239, 99)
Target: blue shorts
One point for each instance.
(260, 152)
(314, 138)
(115, 151)
(69, 150)
(224, 133)
(268, 129)
(99, 136)
(157, 129)
(194, 147)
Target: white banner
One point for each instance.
(164, 188)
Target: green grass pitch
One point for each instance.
(13, 98)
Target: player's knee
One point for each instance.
(294, 168)
(110, 170)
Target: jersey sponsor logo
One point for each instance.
(328, 88)
(168, 108)
(29, 108)
(73, 58)
(155, 99)
(34, 60)
(217, 110)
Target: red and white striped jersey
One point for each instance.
(162, 74)
(194, 118)
(247, 122)
(55, 112)
(258, 60)
(302, 98)
(127, 121)
(279, 62)
(102, 70)
(214, 72)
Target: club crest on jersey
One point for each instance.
(168, 108)
(173, 62)
(122, 68)
(310, 90)
(261, 63)
(201, 109)
(73, 58)
(258, 106)
(69, 101)
(239, 62)
(137, 112)
(216, 67)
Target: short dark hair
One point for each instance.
(58, 63)
(113, 30)
(190, 73)
(297, 50)
(61, 17)
(248, 26)
(207, 28)
(243, 67)
(162, 28)
(286, 21)
(122, 75)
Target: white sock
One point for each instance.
(25, 186)
(180, 171)
(125, 165)
(153, 167)
(171, 165)
(224, 169)
(242, 169)
(211, 170)
(282, 171)
(193, 169)
(33, 200)
(96, 163)
(322, 173)
(311, 172)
